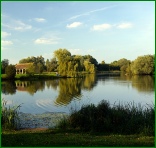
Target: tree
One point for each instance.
(31, 69)
(143, 65)
(51, 65)
(103, 62)
(122, 63)
(10, 71)
(62, 54)
(71, 65)
(38, 61)
(90, 59)
(4, 64)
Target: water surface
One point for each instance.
(64, 94)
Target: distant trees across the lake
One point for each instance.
(66, 64)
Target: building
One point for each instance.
(21, 68)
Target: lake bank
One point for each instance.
(31, 77)
(51, 137)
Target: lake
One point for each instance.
(66, 94)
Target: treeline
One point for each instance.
(71, 65)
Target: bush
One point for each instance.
(10, 71)
(119, 119)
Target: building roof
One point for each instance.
(23, 65)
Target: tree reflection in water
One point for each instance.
(143, 83)
(71, 88)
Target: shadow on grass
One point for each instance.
(70, 138)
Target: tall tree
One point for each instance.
(10, 71)
(4, 64)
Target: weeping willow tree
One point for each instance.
(68, 65)
(72, 65)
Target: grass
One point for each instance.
(35, 76)
(71, 138)
(101, 125)
(119, 119)
(31, 77)
(9, 116)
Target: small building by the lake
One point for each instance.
(21, 68)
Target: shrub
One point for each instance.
(119, 119)
(10, 71)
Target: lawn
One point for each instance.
(53, 137)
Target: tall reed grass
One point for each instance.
(117, 119)
(9, 116)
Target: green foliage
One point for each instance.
(38, 64)
(70, 66)
(51, 65)
(9, 116)
(122, 63)
(118, 119)
(4, 64)
(143, 65)
(10, 71)
(31, 69)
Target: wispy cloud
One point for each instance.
(101, 27)
(46, 41)
(40, 20)
(125, 25)
(92, 11)
(6, 43)
(5, 34)
(17, 25)
(74, 25)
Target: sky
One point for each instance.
(107, 31)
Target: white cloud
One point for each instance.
(17, 25)
(6, 43)
(41, 20)
(125, 25)
(101, 27)
(46, 41)
(74, 25)
(75, 51)
(5, 34)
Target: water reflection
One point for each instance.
(143, 83)
(71, 88)
(89, 82)
(8, 87)
(30, 86)
(52, 84)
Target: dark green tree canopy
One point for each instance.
(10, 71)
(4, 64)
(38, 61)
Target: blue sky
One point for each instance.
(108, 31)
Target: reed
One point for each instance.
(9, 116)
(120, 118)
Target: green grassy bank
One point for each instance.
(36, 138)
(102, 125)
(31, 77)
